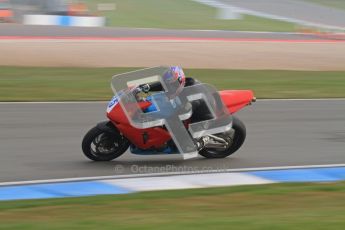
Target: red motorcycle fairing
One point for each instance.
(156, 137)
(235, 100)
(142, 138)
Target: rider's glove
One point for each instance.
(145, 88)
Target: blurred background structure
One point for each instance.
(51, 12)
(306, 15)
(6, 12)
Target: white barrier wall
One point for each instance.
(57, 20)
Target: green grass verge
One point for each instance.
(81, 84)
(275, 206)
(180, 14)
(339, 4)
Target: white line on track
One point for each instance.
(304, 99)
(168, 174)
(90, 102)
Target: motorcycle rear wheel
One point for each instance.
(99, 145)
(238, 140)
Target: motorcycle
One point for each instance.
(110, 139)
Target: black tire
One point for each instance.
(238, 140)
(97, 136)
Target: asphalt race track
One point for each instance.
(42, 140)
(108, 32)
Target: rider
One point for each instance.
(200, 109)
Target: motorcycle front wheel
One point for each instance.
(236, 142)
(99, 145)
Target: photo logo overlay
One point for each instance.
(172, 106)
